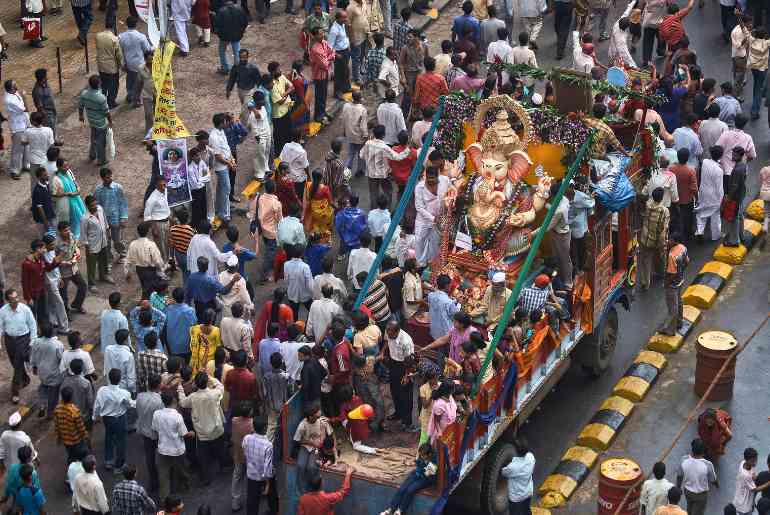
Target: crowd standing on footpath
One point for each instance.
(198, 368)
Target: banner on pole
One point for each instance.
(166, 124)
(172, 158)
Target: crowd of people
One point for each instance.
(201, 367)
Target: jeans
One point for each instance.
(223, 195)
(321, 90)
(386, 15)
(520, 507)
(269, 249)
(602, 14)
(353, 157)
(83, 19)
(92, 260)
(379, 185)
(342, 72)
(411, 485)
(760, 78)
(115, 432)
(181, 262)
(355, 58)
(49, 397)
(562, 21)
(649, 35)
(674, 305)
(254, 493)
(80, 292)
(110, 85)
(98, 148)
(236, 487)
(733, 230)
(150, 451)
(235, 46)
(132, 95)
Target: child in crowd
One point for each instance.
(358, 430)
(460, 395)
(443, 410)
(159, 298)
(423, 476)
(406, 242)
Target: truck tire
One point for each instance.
(598, 348)
(494, 487)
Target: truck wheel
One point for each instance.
(599, 347)
(494, 487)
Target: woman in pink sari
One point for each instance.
(444, 411)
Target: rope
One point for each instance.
(524, 272)
(693, 413)
(402, 203)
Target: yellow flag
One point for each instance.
(166, 124)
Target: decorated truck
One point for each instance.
(502, 157)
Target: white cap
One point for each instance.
(15, 419)
(498, 277)
(232, 261)
(537, 99)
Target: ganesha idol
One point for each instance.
(493, 204)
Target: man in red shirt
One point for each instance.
(33, 270)
(339, 361)
(429, 86)
(316, 502)
(671, 28)
(240, 383)
(683, 218)
(321, 59)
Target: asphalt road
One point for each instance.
(572, 403)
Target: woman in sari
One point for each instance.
(300, 115)
(274, 311)
(284, 189)
(69, 206)
(715, 429)
(205, 339)
(317, 212)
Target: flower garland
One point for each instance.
(458, 108)
(553, 127)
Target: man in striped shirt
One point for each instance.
(179, 236)
(68, 424)
(376, 298)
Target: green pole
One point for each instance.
(524, 272)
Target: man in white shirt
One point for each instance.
(663, 178)
(360, 259)
(180, 11)
(389, 77)
(519, 475)
(208, 421)
(295, 155)
(583, 59)
(655, 490)
(618, 49)
(18, 121)
(144, 256)
(169, 425)
(110, 406)
(523, 54)
(399, 347)
(327, 277)
(711, 129)
(38, 139)
(500, 51)
(321, 313)
(390, 115)
(695, 475)
(237, 332)
(259, 125)
(739, 43)
(12, 440)
(157, 212)
(428, 196)
(202, 245)
(88, 490)
(299, 280)
(354, 128)
(223, 162)
(376, 153)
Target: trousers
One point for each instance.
(160, 236)
(254, 492)
(734, 229)
(647, 258)
(94, 260)
(19, 154)
(342, 72)
(406, 492)
(401, 393)
(18, 349)
(98, 148)
(533, 25)
(83, 18)
(713, 218)
(649, 35)
(235, 46)
(115, 433)
(321, 90)
(180, 27)
(57, 310)
(49, 397)
(171, 468)
(377, 186)
(520, 507)
(758, 90)
(110, 86)
(561, 243)
(739, 75)
(562, 22)
(269, 249)
(150, 451)
(675, 308)
(696, 503)
(80, 291)
(223, 195)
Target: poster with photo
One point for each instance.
(172, 154)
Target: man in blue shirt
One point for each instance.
(29, 497)
(467, 20)
(244, 255)
(202, 289)
(338, 40)
(180, 317)
(350, 222)
(111, 320)
(146, 319)
(267, 346)
(110, 196)
(441, 307)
